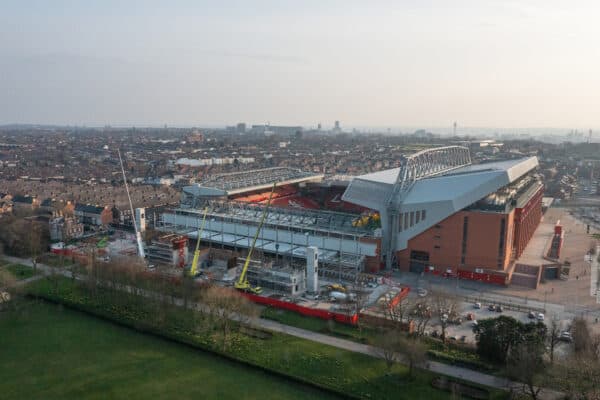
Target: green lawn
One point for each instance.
(19, 271)
(347, 372)
(49, 352)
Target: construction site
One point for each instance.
(327, 247)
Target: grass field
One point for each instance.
(19, 271)
(49, 352)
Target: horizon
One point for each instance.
(517, 65)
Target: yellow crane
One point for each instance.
(194, 267)
(242, 283)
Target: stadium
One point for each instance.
(436, 213)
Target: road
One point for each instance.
(433, 366)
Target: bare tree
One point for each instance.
(582, 337)
(525, 364)
(226, 310)
(422, 314)
(445, 308)
(578, 377)
(553, 338)
(387, 346)
(414, 352)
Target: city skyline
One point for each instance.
(409, 64)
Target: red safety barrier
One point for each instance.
(306, 311)
(496, 279)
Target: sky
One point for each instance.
(481, 63)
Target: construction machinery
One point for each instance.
(138, 235)
(242, 283)
(194, 267)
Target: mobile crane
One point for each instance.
(242, 283)
(194, 267)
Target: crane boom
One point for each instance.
(242, 283)
(194, 267)
(138, 235)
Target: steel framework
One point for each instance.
(431, 162)
(420, 165)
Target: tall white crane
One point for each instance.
(138, 235)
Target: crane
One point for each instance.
(138, 235)
(242, 283)
(194, 267)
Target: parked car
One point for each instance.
(492, 307)
(470, 316)
(477, 305)
(499, 308)
(422, 292)
(531, 315)
(565, 337)
(474, 323)
(540, 317)
(463, 338)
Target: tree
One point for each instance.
(414, 352)
(8, 284)
(553, 338)
(582, 337)
(497, 336)
(525, 364)
(578, 377)
(387, 346)
(445, 308)
(226, 310)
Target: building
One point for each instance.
(438, 213)
(89, 214)
(276, 129)
(441, 212)
(64, 228)
(25, 202)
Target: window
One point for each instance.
(405, 221)
(437, 237)
(412, 218)
(400, 222)
(417, 217)
(438, 227)
(501, 241)
(422, 215)
(436, 247)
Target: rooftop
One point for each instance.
(239, 182)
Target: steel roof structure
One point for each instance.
(433, 192)
(247, 181)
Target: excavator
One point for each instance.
(242, 283)
(194, 268)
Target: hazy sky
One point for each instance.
(367, 63)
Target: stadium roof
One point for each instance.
(248, 181)
(439, 196)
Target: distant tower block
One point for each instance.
(140, 218)
(454, 129)
(312, 269)
(590, 137)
